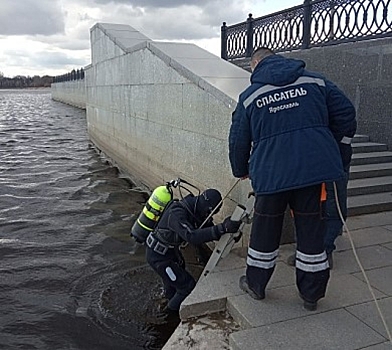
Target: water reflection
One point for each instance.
(68, 280)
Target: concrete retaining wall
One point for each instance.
(162, 110)
(70, 92)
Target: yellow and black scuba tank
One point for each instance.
(151, 213)
(156, 204)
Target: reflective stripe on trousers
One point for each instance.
(312, 272)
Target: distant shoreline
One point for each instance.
(26, 88)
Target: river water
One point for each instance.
(70, 275)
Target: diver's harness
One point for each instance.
(154, 240)
(158, 247)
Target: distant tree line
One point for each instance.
(21, 81)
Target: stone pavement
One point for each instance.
(347, 318)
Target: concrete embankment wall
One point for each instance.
(70, 92)
(363, 70)
(162, 110)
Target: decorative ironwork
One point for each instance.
(315, 23)
(73, 75)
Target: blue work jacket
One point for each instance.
(290, 128)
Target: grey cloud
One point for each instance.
(43, 59)
(31, 17)
(219, 11)
(176, 29)
(174, 19)
(156, 3)
(66, 43)
(200, 21)
(56, 59)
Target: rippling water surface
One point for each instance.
(70, 277)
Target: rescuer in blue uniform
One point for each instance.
(180, 222)
(288, 134)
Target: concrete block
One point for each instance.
(366, 63)
(280, 304)
(232, 87)
(147, 59)
(218, 117)
(132, 69)
(183, 50)
(353, 292)
(213, 67)
(184, 153)
(369, 220)
(195, 108)
(138, 101)
(369, 314)
(382, 346)
(380, 279)
(205, 333)
(283, 303)
(363, 238)
(234, 260)
(164, 104)
(386, 68)
(210, 294)
(370, 257)
(212, 154)
(165, 74)
(116, 98)
(158, 146)
(330, 330)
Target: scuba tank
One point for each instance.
(156, 204)
(151, 213)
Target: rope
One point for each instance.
(217, 206)
(360, 265)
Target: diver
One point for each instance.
(182, 222)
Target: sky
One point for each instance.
(52, 37)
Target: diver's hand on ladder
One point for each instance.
(241, 213)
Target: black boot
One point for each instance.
(245, 287)
(309, 305)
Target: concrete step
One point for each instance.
(361, 138)
(365, 147)
(369, 203)
(369, 185)
(371, 158)
(370, 170)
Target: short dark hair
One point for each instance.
(261, 52)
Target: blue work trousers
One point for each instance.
(312, 269)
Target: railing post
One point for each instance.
(249, 36)
(332, 19)
(224, 41)
(307, 22)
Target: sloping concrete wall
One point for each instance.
(162, 110)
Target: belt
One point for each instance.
(156, 245)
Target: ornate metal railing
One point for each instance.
(73, 75)
(315, 23)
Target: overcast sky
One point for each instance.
(39, 37)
